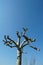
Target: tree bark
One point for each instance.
(19, 57)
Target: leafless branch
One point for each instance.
(18, 34)
(29, 39)
(8, 40)
(24, 41)
(24, 30)
(35, 48)
(10, 46)
(25, 45)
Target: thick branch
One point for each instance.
(21, 45)
(25, 45)
(18, 43)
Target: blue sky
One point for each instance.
(15, 14)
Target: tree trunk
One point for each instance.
(19, 57)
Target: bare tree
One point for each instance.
(26, 42)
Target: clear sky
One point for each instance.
(15, 14)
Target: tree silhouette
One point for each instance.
(19, 45)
